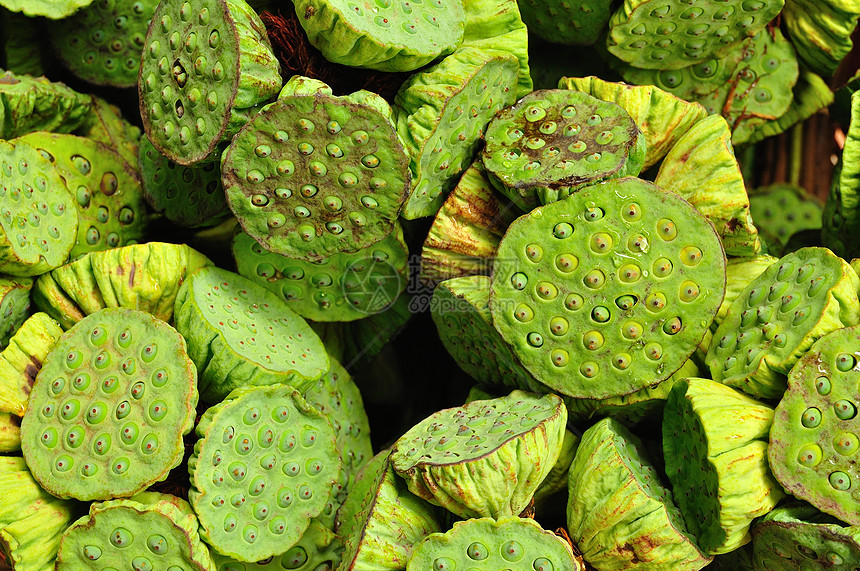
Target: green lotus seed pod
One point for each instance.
(715, 448)
(810, 94)
(188, 196)
(21, 49)
(841, 216)
(22, 359)
(109, 407)
(381, 522)
(314, 175)
(14, 305)
(263, 466)
(778, 316)
(783, 210)
(206, 67)
(486, 458)
(35, 104)
(318, 550)
(442, 113)
(554, 141)
(821, 31)
(102, 43)
(342, 287)
(687, 33)
(107, 192)
(607, 291)
(556, 480)
(390, 36)
(460, 309)
(104, 123)
(10, 432)
(704, 158)
(148, 531)
(239, 334)
(813, 442)
(662, 117)
(619, 515)
(739, 273)
(466, 232)
(580, 22)
(54, 9)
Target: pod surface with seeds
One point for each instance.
(783, 210)
(318, 550)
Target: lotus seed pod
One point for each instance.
(21, 44)
(715, 448)
(109, 407)
(188, 196)
(22, 359)
(554, 141)
(460, 309)
(317, 550)
(35, 104)
(104, 123)
(821, 31)
(811, 94)
(578, 23)
(14, 305)
(389, 37)
(703, 158)
(102, 43)
(466, 232)
(263, 466)
(841, 217)
(441, 115)
(38, 220)
(150, 531)
(54, 9)
(556, 480)
(314, 175)
(586, 324)
(381, 522)
(107, 192)
(778, 317)
(10, 432)
(691, 33)
(662, 117)
(342, 287)
(619, 515)
(31, 542)
(739, 273)
(239, 334)
(206, 67)
(783, 210)
(146, 277)
(485, 458)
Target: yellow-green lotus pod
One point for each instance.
(739, 273)
(821, 31)
(22, 360)
(14, 305)
(10, 432)
(703, 169)
(104, 123)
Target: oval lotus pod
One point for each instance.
(263, 466)
(662, 117)
(35, 104)
(317, 550)
(104, 123)
(314, 175)
(38, 220)
(239, 333)
(342, 287)
(554, 141)
(381, 522)
(715, 448)
(607, 291)
(109, 199)
(109, 407)
(102, 43)
(466, 232)
(708, 30)
(821, 31)
(388, 37)
(21, 361)
(441, 115)
(778, 316)
(704, 158)
(512, 442)
(784, 209)
(14, 305)
(739, 273)
(205, 68)
(811, 94)
(54, 9)
(460, 309)
(188, 196)
(580, 22)
(619, 515)
(148, 531)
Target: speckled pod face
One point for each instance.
(54, 9)
(512, 543)
(784, 209)
(205, 66)
(804, 296)
(263, 467)
(667, 34)
(814, 440)
(108, 197)
(188, 196)
(14, 305)
(102, 43)
(314, 175)
(317, 550)
(512, 442)
(110, 406)
(609, 290)
(342, 287)
(38, 219)
(390, 36)
(36, 104)
(553, 141)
